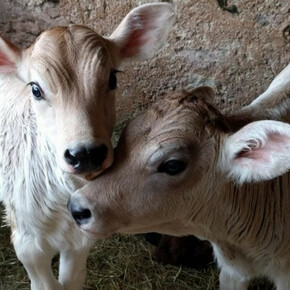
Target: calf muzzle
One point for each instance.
(86, 159)
(80, 214)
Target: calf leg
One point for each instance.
(282, 282)
(232, 281)
(72, 268)
(236, 270)
(36, 259)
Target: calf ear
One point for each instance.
(143, 31)
(204, 92)
(9, 56)
(259, 151)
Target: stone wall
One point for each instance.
(237, 48)
(21, 21)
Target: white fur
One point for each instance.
(35, 192)
(255, 136)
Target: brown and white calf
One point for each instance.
(57, 112)
(180, 169)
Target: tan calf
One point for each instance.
(176, 172)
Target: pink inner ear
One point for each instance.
(4, 60)
(135, 41)
(6, 66)
(275, 143)
(138, 37)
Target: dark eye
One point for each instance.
(36, 91)
(113, 80)
(172, 167)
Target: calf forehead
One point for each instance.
(68, 40)
(168, 123)
(171, 117)
(69, 56)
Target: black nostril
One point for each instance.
(86, 158)
(75, 156)
(79, 214)
(98, 155)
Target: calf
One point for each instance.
(274, 103)
(182, 169)
(57, 111)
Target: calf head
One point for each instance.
(171, 165)
(72, 73)
(161, 156)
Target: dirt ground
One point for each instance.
(235, 46)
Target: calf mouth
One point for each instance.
(96, 235)
(83, 163)
(93, 175)
(90, 174)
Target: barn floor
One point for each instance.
(236, 53)
(120, 262)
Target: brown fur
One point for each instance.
(247, 224)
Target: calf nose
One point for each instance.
(85, 159)
(80, 214)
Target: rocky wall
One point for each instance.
(235, 46)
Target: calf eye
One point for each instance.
(36, 91)
(113, 80)
(172, 167)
